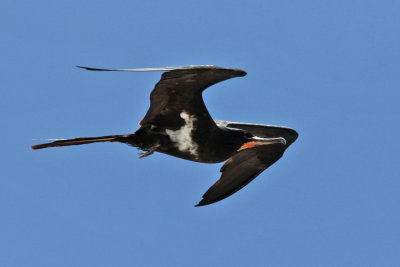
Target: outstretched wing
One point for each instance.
(247, 164)
(178, 90)
(264, 131)
(181, 90)
(241, 169)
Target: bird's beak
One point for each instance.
(257, 141)
(270, 141)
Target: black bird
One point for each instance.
(178, 124)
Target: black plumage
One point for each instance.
(178, 124)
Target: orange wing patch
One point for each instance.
(250, 145)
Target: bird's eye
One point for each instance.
(249, 135)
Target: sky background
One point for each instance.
(329, 69)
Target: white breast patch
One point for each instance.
(183, 137)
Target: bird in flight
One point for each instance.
(178, 124)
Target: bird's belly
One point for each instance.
(197, 151)
(200, 157)
(191, 144)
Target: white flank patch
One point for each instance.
(183, 137)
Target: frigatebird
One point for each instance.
(178, 124)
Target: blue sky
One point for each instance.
(329, 69)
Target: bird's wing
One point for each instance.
(179, 90)
(264, 131)
(241, 169)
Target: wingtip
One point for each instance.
(203, 202)
(199, 204)
(241, 72)
(94, 69)
(81, 67)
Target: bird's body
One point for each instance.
(190, 141)
(178, 124)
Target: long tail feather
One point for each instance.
(81, 141)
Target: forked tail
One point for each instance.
(82, 141)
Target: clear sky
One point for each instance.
(329, 69)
